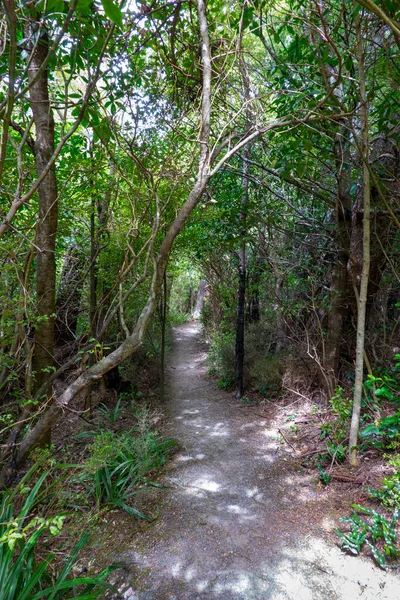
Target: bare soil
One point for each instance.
(242, 519)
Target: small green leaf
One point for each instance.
(112, 11)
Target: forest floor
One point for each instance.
(241, 519)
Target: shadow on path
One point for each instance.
(240, 521)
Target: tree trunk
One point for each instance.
(241, 297)
(131, 344)
(363, 293)
(45, 241)
(69, 297)
(98, 224)
(338, 300)
(163, 319)
(200, 299)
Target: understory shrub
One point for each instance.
(335, 431)
(221, 359)
(384, 433)
(267, 374)
(21, 576)
(176, 318)
(120, 465)
(389, 492)
(374, 530)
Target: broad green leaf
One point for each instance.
(112, 11)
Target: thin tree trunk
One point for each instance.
(43, 358)
(93, 270)
(278, 308)
(200, 299)
(69, 296)
(241, 298)
(338, 304)
(363, 294)
(163, 314)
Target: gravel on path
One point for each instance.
(240, 521)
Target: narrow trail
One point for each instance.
(240, 522)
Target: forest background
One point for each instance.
(146, 146)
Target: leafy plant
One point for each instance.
(110, 414)
(384, 433)
(246, 401)
(119, 466)
(221, 359)
(176, 318)
(336, 430)
(21, 577)
(323, 475)
(389, 492)
(377, 529)
(382, 387)
(337, 452)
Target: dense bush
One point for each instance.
(221, 358)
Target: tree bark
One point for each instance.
(363, 293)
(200, 299)
(45, 241)
(163, 321)
(241, 297)
(134, 341)
(69, 296)
(338, 300)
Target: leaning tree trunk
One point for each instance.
(45, 241)
(134, 341)
(363, 293)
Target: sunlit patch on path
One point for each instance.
(239, 521)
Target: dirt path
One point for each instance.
(240, 522)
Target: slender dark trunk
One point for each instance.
(254, 305)
(366, 249)
(45, 241)
(93, 270)
(69, 297)
(280, 322)
(338, 299)
(163, 315)
(241, 297)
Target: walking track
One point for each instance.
(240, 522)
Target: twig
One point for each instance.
(286, 440)
(347, 478)
(297, 393)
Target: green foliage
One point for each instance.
(336, 430)
(21, 577)
(389, 492)
(384, 433)
(266, 374)
(110, 414)
(382, 387)
(377, 532)
(177, 319)
(323, 475)
(185, 282)
(112, 11)
(120, 464)
(221, 359)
